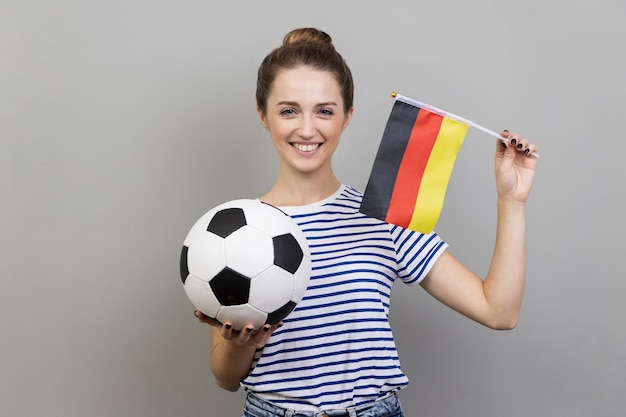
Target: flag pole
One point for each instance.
(451, 116)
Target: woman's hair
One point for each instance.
(304, 47)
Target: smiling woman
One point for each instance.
(305, 117)
(336, 351)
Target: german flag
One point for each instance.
(407, 184)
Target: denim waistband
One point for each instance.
(387, 406)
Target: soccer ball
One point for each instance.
(245, 261)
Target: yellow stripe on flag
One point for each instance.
(429, 201)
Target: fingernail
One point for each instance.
(520, 146)
(505, 131)
(513, 141)
(527, 151)
(503, 144)
(228, 326)
(266, 328)
(249, 329)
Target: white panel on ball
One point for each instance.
(201, 296)
(270, 289)
(206, 256)
(249, 251)
(241, 315)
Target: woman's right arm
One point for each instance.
(232, 351)
(230, 360)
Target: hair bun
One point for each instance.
(307, 35)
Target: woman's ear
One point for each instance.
(262, 117)
(346, 122)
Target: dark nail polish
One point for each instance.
(527, 151)
(249, 330)
(520, 146)
(266, 328)
(503, 144)
(228, 326)
(513, 141)
(505, 131)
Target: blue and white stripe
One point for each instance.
(336, 348)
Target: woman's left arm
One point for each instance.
(495, 301)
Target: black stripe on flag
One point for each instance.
(379, 189)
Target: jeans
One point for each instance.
(386, 406)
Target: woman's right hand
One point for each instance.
(246, 336)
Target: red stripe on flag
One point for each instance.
(409, 177)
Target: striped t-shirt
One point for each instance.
(336, 349)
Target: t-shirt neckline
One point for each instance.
(291, 210)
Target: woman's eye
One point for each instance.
(326, 112)
(287, 112)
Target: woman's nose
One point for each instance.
(307, 127)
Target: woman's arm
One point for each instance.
(232, 351)
(496, 300)
(229, 361)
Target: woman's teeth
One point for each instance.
(308, 147)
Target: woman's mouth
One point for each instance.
(306, 147)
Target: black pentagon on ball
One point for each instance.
(287, 253)
(230, 287)
(184, 268)
(226, 221)
(281, 313)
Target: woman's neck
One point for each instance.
(292, 191)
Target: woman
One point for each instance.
(335, 351)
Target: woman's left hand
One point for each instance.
(515, 167)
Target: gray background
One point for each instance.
(121, 122)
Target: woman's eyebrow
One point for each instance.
(295, 104)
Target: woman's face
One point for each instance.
(305, 117)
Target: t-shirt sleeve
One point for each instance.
(416, 253)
